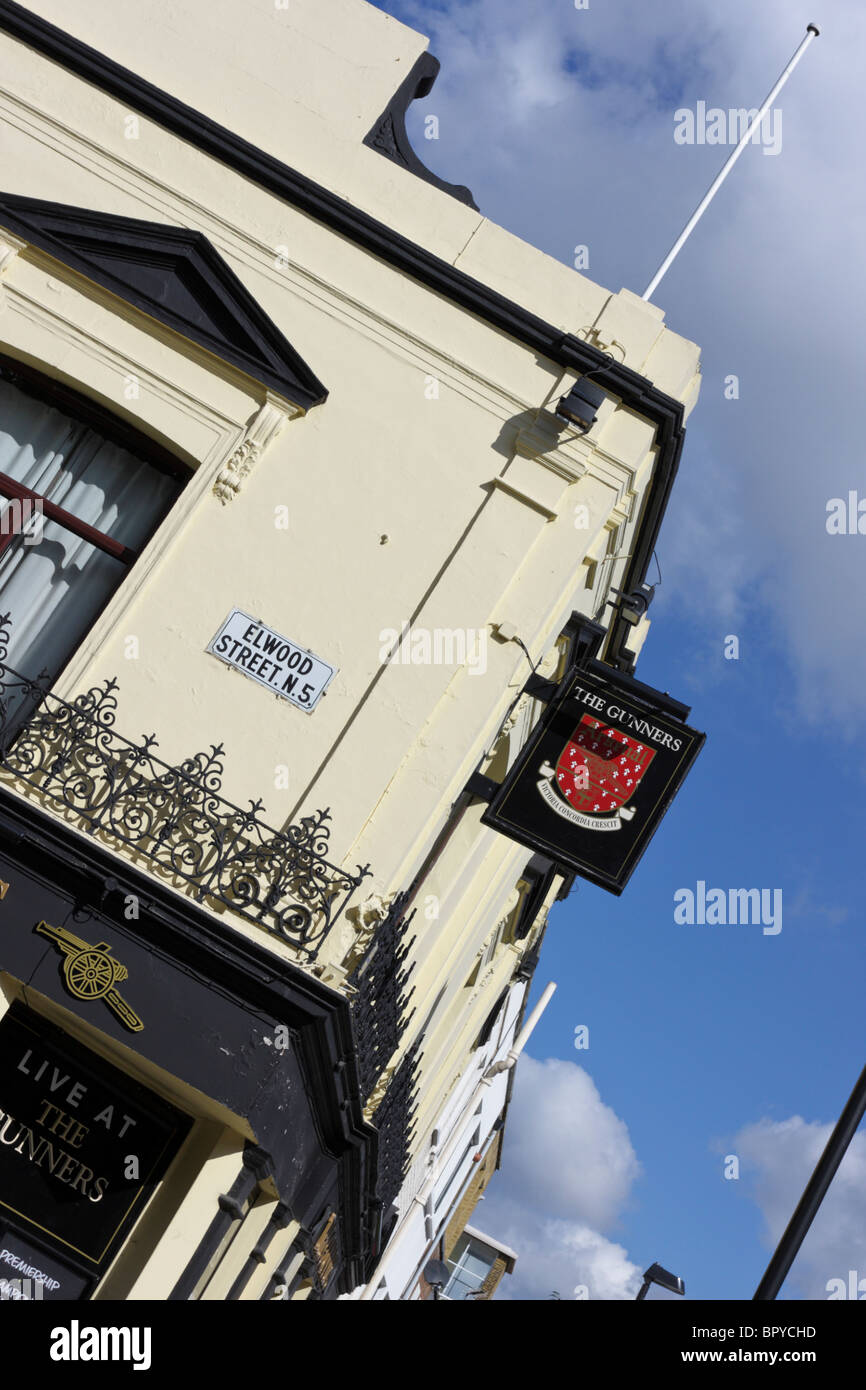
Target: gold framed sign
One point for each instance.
(82, 1145)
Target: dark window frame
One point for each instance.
(92, 415)
(87, 411)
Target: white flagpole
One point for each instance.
(812, 32)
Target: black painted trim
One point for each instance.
(487, 1025)
(388, 134)
(635, 391)
(540, 688)
(568, 877)
(585, 638)
(539, 873)
(257, 1256)
(480, 787)
(95, 244)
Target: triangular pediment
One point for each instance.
(176, 276)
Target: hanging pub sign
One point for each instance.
(596, 776)
(82, 1147)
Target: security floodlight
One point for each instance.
(636, 603)
(580, 406)
(663, 1277)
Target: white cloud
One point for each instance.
(558, 1256)
(568, 1153)
(567, 1176)
(778, 1158)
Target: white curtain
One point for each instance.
(55, 588)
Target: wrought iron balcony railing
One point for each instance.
(380, 1012)
(395, 1121)
(174, 818)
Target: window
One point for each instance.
(80, 495)
(470, 1263)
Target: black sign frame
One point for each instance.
(523, 811)
(164, 1129)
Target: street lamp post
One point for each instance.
(813, 1196)
(657, 1274)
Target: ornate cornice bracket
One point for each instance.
(262, 429)
(9, 248)
(388, 135)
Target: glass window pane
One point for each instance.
(53, 583)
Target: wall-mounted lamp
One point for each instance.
(580, 406)
(635, 604)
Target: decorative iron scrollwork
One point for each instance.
(175, 818)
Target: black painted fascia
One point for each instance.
(64, 233)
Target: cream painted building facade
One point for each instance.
(218, 254)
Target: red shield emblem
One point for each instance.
(599, 768)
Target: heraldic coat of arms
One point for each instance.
(597, 773)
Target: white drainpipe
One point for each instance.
(520, 1042)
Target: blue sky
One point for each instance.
(704, 1040)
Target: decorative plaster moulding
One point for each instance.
(9, 248)
(261, 430)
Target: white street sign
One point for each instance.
(279, 665)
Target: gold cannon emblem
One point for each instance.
(91, 972)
